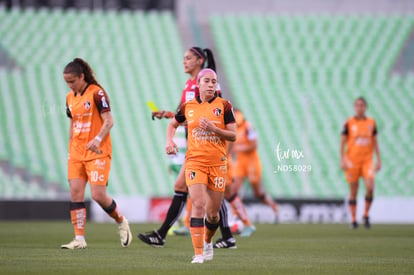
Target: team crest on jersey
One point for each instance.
(87, 105)
(217, 111)
(191, 175)
(354, 128)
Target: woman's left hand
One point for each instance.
(207, 125)
(93, 146)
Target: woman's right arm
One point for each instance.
(171, 148)
(162, 114)
(70, 129)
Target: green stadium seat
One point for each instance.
(302, 73)
(137, 57)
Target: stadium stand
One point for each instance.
(129, 53)
(296, 77)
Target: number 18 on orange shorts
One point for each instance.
(214, 177)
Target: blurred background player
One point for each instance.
(210, 123)
(195, 59)
(247, 165)
(359, 136)
(90, 150)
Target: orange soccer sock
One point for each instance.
(187, 215)
(197, 235)
(352, 209)
(239, 210)
(368, 202)
(112, 211)
(78, 218)
(209, 230)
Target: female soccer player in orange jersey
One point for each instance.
(359, 136)
(247, 165)
(211, 123)
(90, 150)
(195, 59)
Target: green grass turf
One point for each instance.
(33, 247)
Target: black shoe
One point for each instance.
(229, 243)
(354, 225)
(152, 238)
(367, 224)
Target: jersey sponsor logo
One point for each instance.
(79, 127)
(190, 113)
(87, 105)
(204, 136)
(362, 141)
(189, 96)
(101, 93)
(191, 175)
(217, 111)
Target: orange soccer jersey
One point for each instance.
(360, 135)
(85, 111)
(247, 164)
(205, 148)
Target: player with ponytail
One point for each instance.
(90, 150)
(195, 59)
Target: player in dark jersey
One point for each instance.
(195, 59)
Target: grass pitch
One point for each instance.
(33, 248)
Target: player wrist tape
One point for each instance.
(98, 138)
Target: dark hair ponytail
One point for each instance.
(206, 55)
(211, 64)
(79, 66)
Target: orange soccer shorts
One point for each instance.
(213, 176)
(355, 170)
(95, 171)
(248, 166)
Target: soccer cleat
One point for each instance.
(354, 225)
(182, 231)
(125, 234)
(367, 224)
(198, 259)
(248, 231)
(208, 251)
(152, 238)
(75, 244)
(229, 243)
